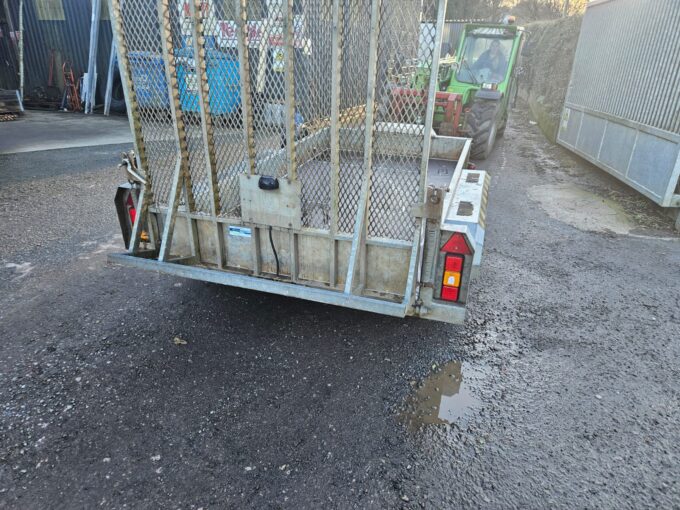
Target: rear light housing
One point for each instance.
(455, 251)
(127, 212)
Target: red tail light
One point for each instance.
(453, 271)
(450, 294)
(456, 249)
(454, 263)
(131, 209)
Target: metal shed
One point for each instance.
(55, 32)
(622, 110)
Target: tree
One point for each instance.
(474, 9)
(525, 10)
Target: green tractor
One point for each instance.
(484, 78)
(475, 87)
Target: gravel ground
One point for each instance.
(570, 356)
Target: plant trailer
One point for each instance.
(301, 185)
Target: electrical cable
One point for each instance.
(276, 256)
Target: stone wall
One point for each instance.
(546, 68)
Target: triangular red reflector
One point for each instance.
(457, 244)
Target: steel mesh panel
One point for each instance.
(395, 179)
(353, 81)
(405, 45)
(268, 61)
(182, 33)
(231, 157)
(314, 177)
(313, 53)
(142, 34)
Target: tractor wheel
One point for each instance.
(481, 127)
(501, 129)
(117, 94)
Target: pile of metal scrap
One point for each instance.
(10, 105)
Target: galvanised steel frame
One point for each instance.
(349, 257)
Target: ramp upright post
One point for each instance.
(359, 238)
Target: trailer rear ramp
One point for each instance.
(304, 190)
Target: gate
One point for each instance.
(231, 98)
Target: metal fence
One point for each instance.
(622, 110)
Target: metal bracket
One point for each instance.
(432, 208)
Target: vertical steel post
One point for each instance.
(294, 256)
(417, 257)
(181, 173)
(21, 50)
(92, 56)
(256, 251)
(146, 195)
(244, 72)
(336, 73)
(203, 91)
(359, 238)
(289, 77)
(431, 95)
(109, 78)
(10, 26)
(247, 112)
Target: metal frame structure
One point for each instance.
(343, 221)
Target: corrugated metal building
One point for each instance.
(452, 32)
(55, 32)
(622, 110)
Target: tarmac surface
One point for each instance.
(45, 130)
(123, 388)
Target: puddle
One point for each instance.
(445, 397)
(582, 209)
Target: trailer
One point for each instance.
(307, 188)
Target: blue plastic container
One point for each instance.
(223, 80)
(148, 77)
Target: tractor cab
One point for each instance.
(489, 57)
(485, 59)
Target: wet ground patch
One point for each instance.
(581, 208)
(447, 396)
(592, 211)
